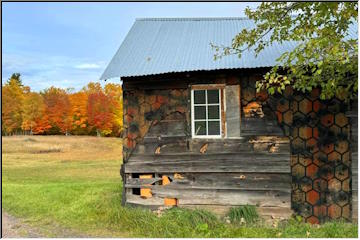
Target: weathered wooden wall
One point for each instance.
(251, 169)
(311, 174)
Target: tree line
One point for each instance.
(94, 110)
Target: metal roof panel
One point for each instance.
(165, 45)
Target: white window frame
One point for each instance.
(207, 121)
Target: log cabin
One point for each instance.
(197, 134)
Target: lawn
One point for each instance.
(74, 183)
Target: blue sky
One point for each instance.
(70, 44)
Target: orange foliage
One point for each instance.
(57, 108)
(93, 110)
(78, 111)
(99, 111)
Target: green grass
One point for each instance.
(74, 183)
(247, 213)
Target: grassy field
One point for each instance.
(74, 183)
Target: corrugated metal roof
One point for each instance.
(165, 45)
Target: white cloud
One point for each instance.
(88, 66)
(41, 71)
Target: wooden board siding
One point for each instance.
(233, 110)
(232, 171)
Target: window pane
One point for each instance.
(213, 112)
(200, 128)
(200, 112)
(199, 96)
(213, 96)
(214, 127)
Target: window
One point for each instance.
(206, 113)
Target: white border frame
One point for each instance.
(206, 104)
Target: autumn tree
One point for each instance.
(100, 116)
(57, 108)
(92, 110)
(78, 112)
(12, 101)
(33, 110)
(325, 56)
(92, 87)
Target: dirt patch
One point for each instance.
(15, 228)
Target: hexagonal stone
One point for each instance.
(304, 161)
(279, 116)
(341, 120)
(305, 132)
(298, 171)
(346, 185)
(346, 213)
(316, 105)
(313, 119)
(335, 129)
(298, 196)
(288, 117)
(346, 159)
(306, 184)
(334, 211)
(320, 210)
(316, 133)
(288, 91)
(283, 105)
(305, 209)
(319, 158)
(334, 185)
(342, 198)
(294, 106)
(326, 172)
(315, 93)
(328, 148)
(298, 143)
(312, 220)
(298, 97)
(320, 185)
(262, 95)
(293, 160)
(312, 144)
(342, 146)
(312, 171)
(342, 172)
(327, 120)
(312, 197)
(334, 157)
(333, 105)
(346, 130)
(305, 106)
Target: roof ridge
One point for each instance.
(190, 18)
